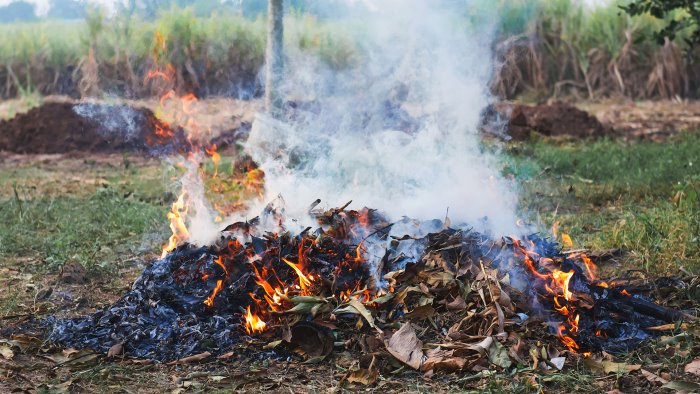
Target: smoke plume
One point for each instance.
(396, 132)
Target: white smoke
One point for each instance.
(201, 216)
(115, 120)
(398, 132)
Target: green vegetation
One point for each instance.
(546, 48)
(97, 220)
(689, 17)
(563, 47)
(221, 54)
(643, 198)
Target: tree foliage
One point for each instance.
(18, 11)
(67, 9)
(681, 14)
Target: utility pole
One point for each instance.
(274, 60)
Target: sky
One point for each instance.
(42, 6)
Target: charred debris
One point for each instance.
(435, 298)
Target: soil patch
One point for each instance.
(64, 127)
(556, 119)
(647, 120)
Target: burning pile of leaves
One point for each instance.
(436, 299)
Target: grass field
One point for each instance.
(108, 214)
(642, 198)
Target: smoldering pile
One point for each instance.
(439, 298)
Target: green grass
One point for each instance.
(95, 230)
(639, 197)
(97, 214)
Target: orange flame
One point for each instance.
(566, 240)
(210, 300)
(304, 281)
(177, 225)
(591, 268)
(561, 279)
(253, 323)
(358, 292)
(569, 342)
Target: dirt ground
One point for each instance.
(39, 367)
(57, 128)
(652, 120)
(61, 125)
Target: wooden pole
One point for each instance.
(274, 60)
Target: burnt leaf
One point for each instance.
(313, 339)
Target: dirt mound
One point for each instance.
(64, 127)
(556, 119)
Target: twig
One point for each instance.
(73, 360)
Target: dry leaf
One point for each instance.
(23, 341)
(74, 356)
(190, 359)
(498, 355)
(355, 307)
(58, 388)
(116, 350)
(271, 345)
(693, 367)
(680, 385)
(141, 362)
(439, 278)
(226, 356)
(653, 378)
(363, 311)
(611, 367)
(67, 353)
(406, 347)
(483, 346)
(6, 352)
(363, 376)
(443, 360)
(457, 304)
(421, 313)
(558, 362)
